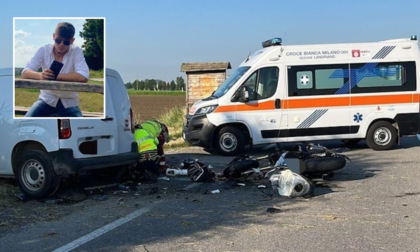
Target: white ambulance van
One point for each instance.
(38, 152)
(285, 93)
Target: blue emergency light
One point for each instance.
(413, 37)
(271, 42)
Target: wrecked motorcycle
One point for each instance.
(307, 159)
(289, 168)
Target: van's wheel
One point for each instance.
(381, 136)
(230, 141)
(36, 175)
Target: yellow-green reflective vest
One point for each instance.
(145, 140)
(152, 126)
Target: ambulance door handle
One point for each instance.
(277, 104)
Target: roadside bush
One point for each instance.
(174, 120)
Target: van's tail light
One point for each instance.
(132, 120)
(64, 129)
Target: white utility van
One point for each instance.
(38, 152)
(296, 93)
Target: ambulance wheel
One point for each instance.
(35, 174)
(381, 136)
(230, 141)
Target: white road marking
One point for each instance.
(98, 232)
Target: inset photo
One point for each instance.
(59, 67)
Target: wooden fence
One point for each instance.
(58, 85)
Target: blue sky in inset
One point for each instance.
(31, 34)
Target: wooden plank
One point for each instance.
(22, 111)
(59, 85)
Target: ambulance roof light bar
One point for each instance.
(271, 42)
(413, 37)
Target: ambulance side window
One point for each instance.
(262, 84)
(384, 77)
(316, 79)
(250, 85)
(338, 79)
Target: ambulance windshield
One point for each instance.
(229, 82)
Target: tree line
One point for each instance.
(157, 85)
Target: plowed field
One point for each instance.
(153, 106)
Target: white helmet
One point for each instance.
(290, 184)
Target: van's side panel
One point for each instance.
(119, 102)
(20, 131)
(7, 124)
(104, 137)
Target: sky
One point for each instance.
(151, 39)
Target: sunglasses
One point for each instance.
(65, 42)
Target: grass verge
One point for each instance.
(174, 120)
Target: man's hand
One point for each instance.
(47, 74)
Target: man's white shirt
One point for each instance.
(73, 61)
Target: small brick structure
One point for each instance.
(202, 79)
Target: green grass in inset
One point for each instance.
(91, 102)
(96, 74)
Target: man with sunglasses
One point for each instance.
(74, 69)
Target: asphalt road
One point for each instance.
(370, 205)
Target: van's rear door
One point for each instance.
(103, 137)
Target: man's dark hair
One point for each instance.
(65, 30)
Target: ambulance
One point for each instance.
(299, 93)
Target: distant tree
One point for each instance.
(160, 84)
(180, 84)
(173, 85)
(136, 84)
(153, 85)
(93, 47)
(157, 85)
(150, 84)
(142, 85)
(146, 84)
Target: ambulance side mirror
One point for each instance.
(244, 95)
(241, 95)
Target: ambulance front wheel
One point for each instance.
(381, 136)
(230, 141)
